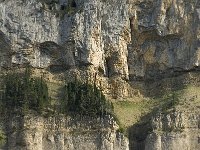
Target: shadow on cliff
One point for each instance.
(155, 89)
(139, 131)
(158, 87)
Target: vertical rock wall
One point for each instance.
(34, 132)
(177, 130)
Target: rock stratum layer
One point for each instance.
(60, 133)
(125, 38)
(176, 130)
(119, 42)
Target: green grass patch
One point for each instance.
(133, 112)
(129, 112)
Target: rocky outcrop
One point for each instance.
(137, 39)
(33, 132)
(165, 36)
(98, 31)
(90, 34)
(174, 130)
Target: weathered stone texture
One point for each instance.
(33, 132)
(175, 130)
(114, 40)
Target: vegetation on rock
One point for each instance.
(85, 99)
(23, 91)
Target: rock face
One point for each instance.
(165, 35)
(117, 41)
(174, 130)
(137, 39)
(60, 133)
(99, 32)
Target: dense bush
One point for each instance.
(23, 91)
(85, 99)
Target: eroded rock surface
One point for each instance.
(116, 41)
(33, 132)
(174, 130)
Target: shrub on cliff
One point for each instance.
(85, 99)
(23, 91)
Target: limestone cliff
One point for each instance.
(146, 36)
(165, 37)
(174, 130)
(60, 133)
(134, 48)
